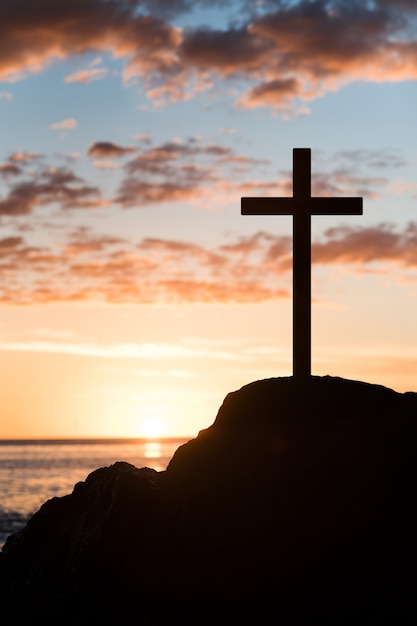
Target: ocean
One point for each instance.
(34, 471)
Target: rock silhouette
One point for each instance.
(298, 503)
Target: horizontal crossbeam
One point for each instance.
(312, 206)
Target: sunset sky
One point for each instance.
(131, 287)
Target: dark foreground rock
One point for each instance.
(296, 506)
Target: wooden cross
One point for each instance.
(301, 206)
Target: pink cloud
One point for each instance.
(68, 124)
(246, 269)
(378, 244)
(136, 193)
(88, 75)
(50, 32)
(276, 93)
(24, 157)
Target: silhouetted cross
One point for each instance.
(301, 206)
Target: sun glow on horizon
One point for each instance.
(152, 427)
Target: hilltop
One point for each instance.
(297, 503)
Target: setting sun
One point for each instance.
(152, 427)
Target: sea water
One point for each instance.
(32, 472)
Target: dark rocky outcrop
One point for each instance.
(296, 506)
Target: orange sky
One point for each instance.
(131, 287)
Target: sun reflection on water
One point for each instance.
(153, 450)
(31, 472)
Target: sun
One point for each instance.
(152, 427)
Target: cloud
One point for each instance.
(9, 243)
(164, 174)
(279, 55)
(379, 159)
(106, 165)
(16, 163)
(167, 251)
(67, 124)
(83, 241)
(193, 170)
(142, 138)
(301, 50)
(10, 169)
(88, 75)
(190, 170)
(147, 351)
(49, 32)
(107, 149)
(400, 187)
(246, 269)
(345, 182)
(50, 185)
(228, 51)
(209, 291)
(107, 268)
(135, 193)
(362, 246)
(324, 46)
(278, 93)
(6, 95)
(24, 157)
(157, 158)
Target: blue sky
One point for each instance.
(129, 132)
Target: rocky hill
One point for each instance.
(297, 505)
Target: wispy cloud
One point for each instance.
(88, 75)
(145, 351)
(68, 124)
(24, 157)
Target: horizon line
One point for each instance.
(86, 440)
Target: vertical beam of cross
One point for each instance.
(301, 264)
(301, 206)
